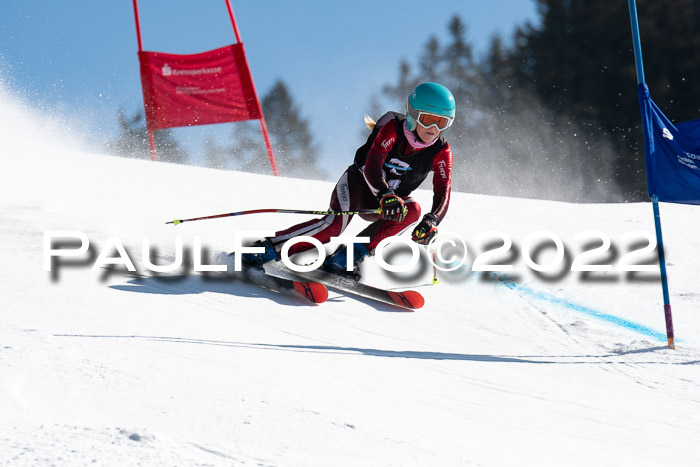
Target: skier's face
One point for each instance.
(427, 135)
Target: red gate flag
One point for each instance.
(199, 89)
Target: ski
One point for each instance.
(314, 292)
(407, 299)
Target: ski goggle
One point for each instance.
(439, 121)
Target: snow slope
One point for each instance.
(500, 370)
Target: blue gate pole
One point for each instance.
(637, 43)
(654, 198)
(664, 279)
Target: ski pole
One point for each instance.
(435, 274)
(281, 211)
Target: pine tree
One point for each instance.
(580, 63)
(503, 142)
(555, 113)
(133, 141)
(295, 152)
(291, 139)
(248, 151)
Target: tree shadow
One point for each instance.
(409, 354)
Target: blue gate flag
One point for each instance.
(672, 154)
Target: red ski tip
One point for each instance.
(313, 291)
(408, 299)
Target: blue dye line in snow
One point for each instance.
(636, 327)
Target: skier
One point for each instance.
(398, 155)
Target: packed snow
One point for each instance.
(498, 368)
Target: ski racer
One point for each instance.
(396, 158)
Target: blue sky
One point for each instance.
(77, 58)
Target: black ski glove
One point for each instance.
(426, 229)
(392, 206)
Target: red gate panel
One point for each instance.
(199, 89)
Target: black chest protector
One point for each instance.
(403, 173)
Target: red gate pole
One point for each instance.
(151, 139)
(263, 126)
(138, 25)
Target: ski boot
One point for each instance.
(337, 262)
(256, 260)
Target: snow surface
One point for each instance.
(98, 367)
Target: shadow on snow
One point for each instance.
(411, 354)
